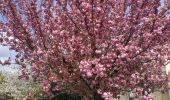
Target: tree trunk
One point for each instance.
(95, 96)
(89, 93)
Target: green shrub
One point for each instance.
(2, 78)
(6, 96)
(11, 86)
(66, 96)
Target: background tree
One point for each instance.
(96, 48)
(14, 89)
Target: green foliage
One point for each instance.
(66, 96)
(11, 86)
(61, 96)
(6, 96)
(36, 90)
(2, 78)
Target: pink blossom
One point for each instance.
(106, 45)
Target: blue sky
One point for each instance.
(5, 52)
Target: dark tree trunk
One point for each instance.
(97, 96)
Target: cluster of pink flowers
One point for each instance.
(111, 45)
(92, 67)
(147, 98)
